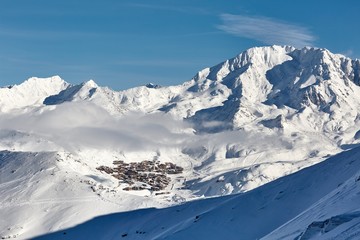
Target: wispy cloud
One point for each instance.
(266, 30)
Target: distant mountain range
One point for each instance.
(251, 120)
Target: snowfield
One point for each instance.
(265, 141)
(319, 202)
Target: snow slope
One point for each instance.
(46, 191)
(264, 114)
(319, 202)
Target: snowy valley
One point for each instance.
(263, 145)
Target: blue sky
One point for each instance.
(123, 44)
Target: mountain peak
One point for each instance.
(260, 78)
(30, 93)
(91, 84)
(73, 92)
(43, 82)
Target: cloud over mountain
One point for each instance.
(266, 30)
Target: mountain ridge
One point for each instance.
(244, 70)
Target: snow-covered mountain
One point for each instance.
(30, 93)
(262, 115)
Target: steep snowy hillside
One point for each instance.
(319, 202)
(262, 115)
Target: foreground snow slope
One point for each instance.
(47, 191)
(328, 190)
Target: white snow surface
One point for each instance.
(319, 202)
(30, 93)
(262, 115)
